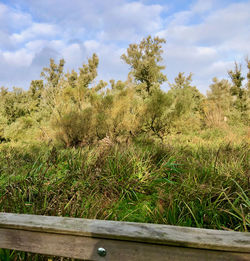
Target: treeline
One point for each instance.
(74, 110)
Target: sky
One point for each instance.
(204, 37)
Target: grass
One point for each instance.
(184, 184)
(180, 185)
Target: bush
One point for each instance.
(74, 128)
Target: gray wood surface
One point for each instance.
(130, 231)
(128, 241)
(86, 248)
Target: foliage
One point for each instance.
(158, 113)
(144, 61)
(178, 184)
(72, 109)
(238, 91)
(53, 73)
(220, 94)
(72, 146)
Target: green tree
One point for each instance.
(237, 79)
(53, 78)
(73, 117)
(144, 59)
(15, 104)
(181, 81)
(186, 104)
(238, 91)
(88, 72)
(158, 114)
(3, 119)
(248, 82)
(248, 75)
(119, 85)
(220, 94)
(35, 91)
(53, 73)
(187, 97)
(74, 128)
(237, 88)
(85, 88)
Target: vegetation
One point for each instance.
(129, 151)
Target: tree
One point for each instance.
(248, 75)
(144, 61)
(3, 119)
(74, 127)
(237, 79)
(53, 73)
(217, 107)
(119, 85)
(187, 97)
(72, 78)
(15, 105)
(220, 94)
(74, 113)
(157, 116)
(238, 90)
(186, 103)
(36, 88)
(248, 82)
(88, 72)
(181, 81)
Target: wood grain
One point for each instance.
(129, 231)
(86, 248)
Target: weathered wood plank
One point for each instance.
(86, 248)
(129, 231)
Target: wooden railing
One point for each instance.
(112, 240)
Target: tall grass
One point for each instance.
(186, 183)
(202, 186)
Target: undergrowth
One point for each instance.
(176, 184)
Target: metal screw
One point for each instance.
(101, 251)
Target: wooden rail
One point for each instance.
(112, 240)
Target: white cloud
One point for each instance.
(61, 33)
(92, 45)
(13, 19)
(202, 6)
(130, 21)
(204, 39)
(74, 56)
(41, 30)
(18, 58)
(207, 47)
(36, 45)
(231, 22)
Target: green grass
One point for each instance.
(180, 184)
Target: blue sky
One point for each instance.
(204, 37)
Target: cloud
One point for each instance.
(203, 37)
(112, 19)
(202, 6)
(131, 21)
(61, 33)
(18, 58)
(217, 27)
(13, 19)
(41, 30)
(41, 58)
(207, 47)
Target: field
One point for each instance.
(187, 181)
(127, 150)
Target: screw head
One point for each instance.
(101, 251)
